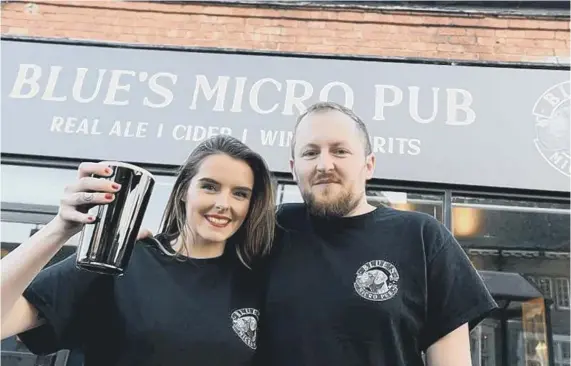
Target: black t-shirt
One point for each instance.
(160, 312)
(375, 289)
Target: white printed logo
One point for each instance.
(551, 113)
(245, 324)
(377, 281)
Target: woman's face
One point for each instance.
(218, 198)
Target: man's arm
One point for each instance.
(451, 350)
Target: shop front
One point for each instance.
(483, 147)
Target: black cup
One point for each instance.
(106, 245)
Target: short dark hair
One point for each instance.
(331, 106)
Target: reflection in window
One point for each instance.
(544, 285)
(553, 288)
(509, 235)
(562, 293)
(511, 225)
(431, 204)
(16, 232)
(525, 237)
(20, 184)
(483, 344)
(288, 193)
(562, 350)
(159, 197)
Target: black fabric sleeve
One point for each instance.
(456, 294)
(71, 302)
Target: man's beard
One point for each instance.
(341, 206)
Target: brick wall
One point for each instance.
(337, 31)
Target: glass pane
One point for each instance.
(431, 204)
(484, 343)
(511, 225)
(526, 237)
(562, 351)
(159, 197)
(527, 346)
(16, 232)
(20, 184)
(288, 193)
(544, 284)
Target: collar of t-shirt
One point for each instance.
(342, 223)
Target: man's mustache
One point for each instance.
(325, 178)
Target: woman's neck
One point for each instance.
(199, 249)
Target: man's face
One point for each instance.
(329, 163)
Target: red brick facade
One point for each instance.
(325, 30)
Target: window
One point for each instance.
(562, 293)
(556, 289)
(288, 193)
(534, 348)
(544, 284)
(20, 184)
(159, 197)
(514, 236)
(561, 350)
(431, 204)
(17, 232)
(511, 226)
(525, 237)
(483, 344)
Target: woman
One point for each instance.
(200, 311)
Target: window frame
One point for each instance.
(445, 191)
(558, 295)
(558, 340)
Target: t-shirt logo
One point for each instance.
(377, 281)
(245, 324)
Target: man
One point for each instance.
(350, 284)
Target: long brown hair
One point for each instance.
(254, 237)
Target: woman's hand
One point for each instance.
(83, 194)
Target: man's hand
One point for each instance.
(144, 233)
(451, 350)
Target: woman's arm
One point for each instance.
(22, 265)
(19, 268)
